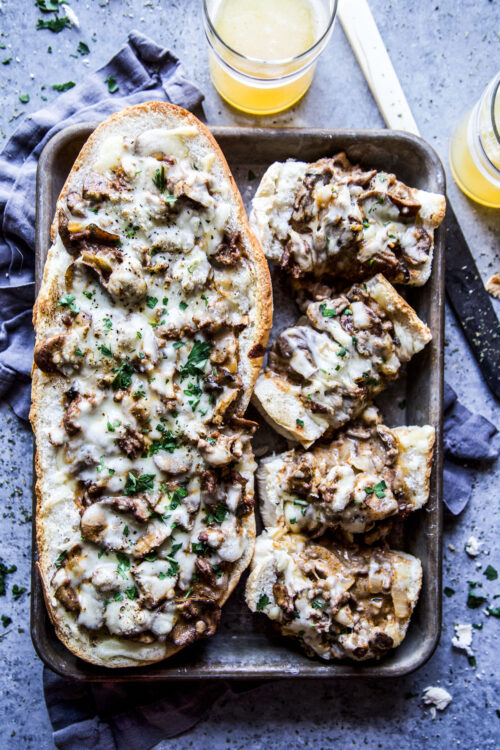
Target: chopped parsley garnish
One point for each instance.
(141, 393)
(327, 312)
(194, 392)
(262, 602)
(251, 175)
(123, 377)
(139, 335)
(130, 230)
(79, 352)
(141, 483)
(111, 427)
(174, 567)
(204, 298)
(125, 530)
(303, 505)
(108, 323)
(490, 573)
(201, 548)
(218, 515)
(106, 350)
(494, 611)
(83, 48)
(299, 422)
(131, 592)
(196, 361)
(366, 224)
(88, 294)
(152, 557)
(112, 84)
(61, 559)
(182, 305)
(63, 86)
(167, 442)
(123, 564)
(170, 199)
(178, 344)
(102, 466)
(159, 179)
(378, 489)
(54, 24)
(448, 591)
(6, 61)
(6, 620)
(151, 302)
(341, 352)
(318, 603)
(347, 311)
(118, 597)
(162, 576)
(68, 300)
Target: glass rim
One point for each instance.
(271, 63)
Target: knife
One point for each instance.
(464, 288)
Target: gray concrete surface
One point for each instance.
(444, 51)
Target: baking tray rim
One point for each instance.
(314, 669)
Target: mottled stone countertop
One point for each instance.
(444, 52)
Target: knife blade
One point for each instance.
(464, 288)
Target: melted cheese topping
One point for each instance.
(322, 372)
(334, 218)
(338, 602)
(153, 480)
(368, 473)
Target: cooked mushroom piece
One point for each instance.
(68, 597)
(220, 450)
(199, 618)
(173, 463)
(96, 187)
(102, 524)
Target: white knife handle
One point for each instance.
(362, 32)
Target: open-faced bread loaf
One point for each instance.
(333, 218)
(151, 324)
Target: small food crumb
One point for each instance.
(437, 698)
(472, 546)
(463, 638)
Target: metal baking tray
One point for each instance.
(246, 645)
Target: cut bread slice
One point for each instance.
(332, 218)
(368, 473)
(338, 601)
(151, 325)
(322, 372)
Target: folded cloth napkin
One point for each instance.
(130, 716)
(143, 72)
(468, 441)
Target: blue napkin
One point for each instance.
(143, 72)
(130, 716)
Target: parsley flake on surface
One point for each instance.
(475, 599)
(299, 422)
(63, 86)
(112, 84)
(55, 25)
(123, 377)
(61, 559)
(24, 98)
(141, 483)
(5, 570)
(83, 48)
(327, 312)
(6, 61)
(318, 603)
(196, 361)
(68, 300)
(218, 515)
(490, 573)
(447, 591)
(262, 602)
(159, 179)
(18, 591)
(106, 350)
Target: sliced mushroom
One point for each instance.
(96, 187)
(76, 205)
(157, 532)
(199, 618)
(220, 450)
(173, 463)
(131, 442)
(68, 597)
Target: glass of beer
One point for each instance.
(262, 53)
(475, 149)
